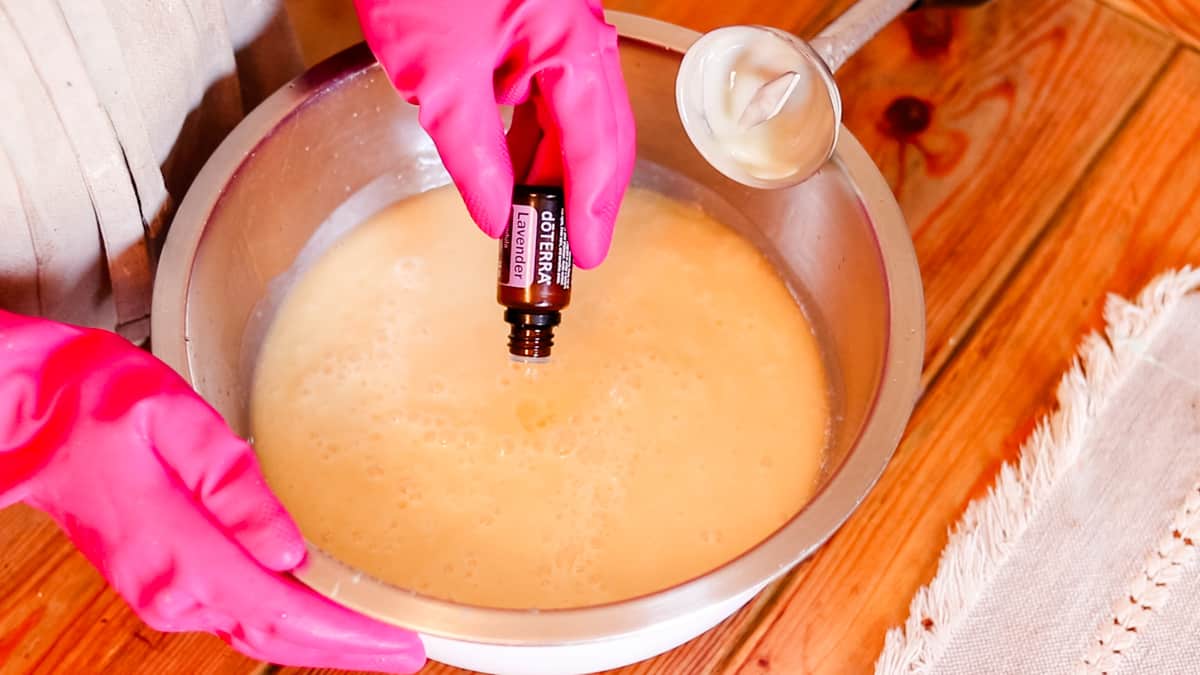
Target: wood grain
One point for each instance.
(802, 17)
(983, 120)
(58, 616)
(1136, 215)
(323, 27)
(1181, 18)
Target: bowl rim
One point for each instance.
(884, 424)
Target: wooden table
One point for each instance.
(1045, 153)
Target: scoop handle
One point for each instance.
(865, 18)
(850, 31)
(921, 4)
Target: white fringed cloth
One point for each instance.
(108, 109)
(1083, 557)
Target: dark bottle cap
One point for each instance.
(532, 333)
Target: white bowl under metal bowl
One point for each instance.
(338, 144)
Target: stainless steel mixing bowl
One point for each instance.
(333, 147)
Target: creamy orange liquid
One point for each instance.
(682, 419)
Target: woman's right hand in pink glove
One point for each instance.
(152, 486)
(458, 59)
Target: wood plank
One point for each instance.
(106, 636)
(1136, 215)
(35, 605)
(58, 616)
(1181, 18)
(323, 27)
(802, 17)
(983, 120)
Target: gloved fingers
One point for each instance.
(284, 613)
(223, 474)
(626, 141)
(513, 79)
(279, 651)
(150, 413)
(522, 139)
(534, 146)
(185, 574)
(465, 125)
(385, 24)
(533, 139)
(596, 125)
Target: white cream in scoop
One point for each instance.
(718, 83)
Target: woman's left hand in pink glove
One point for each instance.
(152, 486)
(458, 59)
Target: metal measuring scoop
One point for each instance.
(785, 129)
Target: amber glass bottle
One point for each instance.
(535, 270)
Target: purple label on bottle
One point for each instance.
(521, 238)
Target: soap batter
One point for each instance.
(681, 420)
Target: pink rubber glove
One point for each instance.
(157, 492)
(457, 59)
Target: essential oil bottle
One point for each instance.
(535, 270)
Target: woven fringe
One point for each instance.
(981, 543)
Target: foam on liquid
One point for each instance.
(681, 420)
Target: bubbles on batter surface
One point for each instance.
(462, 472)
(409, 272)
